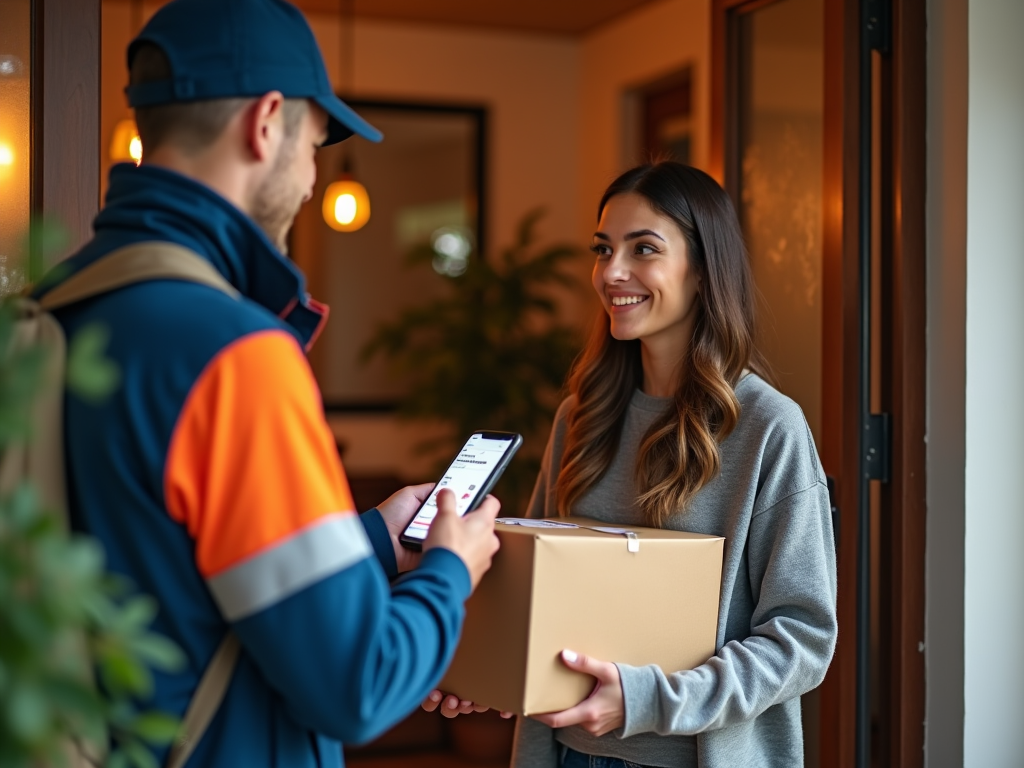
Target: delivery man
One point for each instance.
(210, 476)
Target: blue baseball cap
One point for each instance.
(221, 49)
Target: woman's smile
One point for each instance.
(625, 303)
(643, 274)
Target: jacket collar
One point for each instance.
(153, 203)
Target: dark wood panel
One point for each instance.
(840, 361)
(904, 499)
(66, 112)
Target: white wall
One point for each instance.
(946, 339)
(994, 536)
(975, 571)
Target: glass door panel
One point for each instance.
(780, 125)
(776, 172)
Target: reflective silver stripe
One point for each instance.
(330, 545)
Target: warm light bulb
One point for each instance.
(346, 205)
(135, 149)
(6, 155)
(345, 209)
(126, 144)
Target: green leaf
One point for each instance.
(157, 728)
(138, 754)
(90, 374)
(46, 238)
(159, 652)
(137, 613)
(123, 674)
(27, 711)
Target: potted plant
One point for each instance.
(491, 354)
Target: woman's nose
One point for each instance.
(616, 270)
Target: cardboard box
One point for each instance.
(626, 594)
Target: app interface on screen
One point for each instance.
(464, 478)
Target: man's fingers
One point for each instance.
(422, 491)
(488, 509)
(433, 701)
(446, 502)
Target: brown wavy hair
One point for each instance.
(679, 454)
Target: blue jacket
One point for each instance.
(212, 480)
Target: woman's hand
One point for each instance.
(453, 707)
(603, 710)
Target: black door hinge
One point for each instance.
(878, 24)
(877, 439)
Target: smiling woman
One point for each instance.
(673, 422)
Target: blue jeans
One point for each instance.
(573, 759)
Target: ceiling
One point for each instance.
(565, 17)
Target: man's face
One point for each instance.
(291, 178)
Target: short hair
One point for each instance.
(192, 125)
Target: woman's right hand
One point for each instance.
(452, 706)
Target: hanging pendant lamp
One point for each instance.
(346, 206)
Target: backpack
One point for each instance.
(41, 462)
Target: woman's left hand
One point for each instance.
(603, 710)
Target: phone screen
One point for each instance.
(467, 478)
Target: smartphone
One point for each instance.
(470, 477)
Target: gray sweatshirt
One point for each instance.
(777, 617)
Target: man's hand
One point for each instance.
(452, 706)
(603, 710)
(397, 511)
(471, 537)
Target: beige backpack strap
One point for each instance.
(136, 264)
(206, 701)
(41, 458)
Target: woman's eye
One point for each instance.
(643, 249)
(601, 250)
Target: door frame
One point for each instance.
(65, 87)
(898, 738)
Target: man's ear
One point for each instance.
(265, 125)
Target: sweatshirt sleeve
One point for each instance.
(253, 474)
(792, 571)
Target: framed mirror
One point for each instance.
(426, 184)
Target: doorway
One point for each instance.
(818, 135)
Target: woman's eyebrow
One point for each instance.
(644, 233)
(632, 235)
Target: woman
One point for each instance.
(671, 422)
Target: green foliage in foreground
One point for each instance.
(492, 354)
(63, 620)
